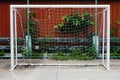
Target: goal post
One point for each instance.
(62, 30)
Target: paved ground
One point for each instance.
(59, 72)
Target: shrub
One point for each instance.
(76, 54)
(114, 51)
(61, 56)
(2, 53)
(74, 22)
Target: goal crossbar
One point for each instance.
(59, 6)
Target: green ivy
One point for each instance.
(114, 51)
(75, 21)
(76, 54)
(2, 53)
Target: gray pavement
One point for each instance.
(60, 72)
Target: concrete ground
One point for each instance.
(59, 72)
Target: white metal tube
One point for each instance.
(60, 6)
(11, 38)
(15, 18)
(108, 38)
(103, 38)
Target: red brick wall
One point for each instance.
(4, 13)
(4, 19)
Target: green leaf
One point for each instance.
(118, 22)
(63, 18)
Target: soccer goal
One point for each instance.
(60, 34)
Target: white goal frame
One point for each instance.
(13, 33)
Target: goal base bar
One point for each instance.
(43, 64)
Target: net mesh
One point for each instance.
(60, 33)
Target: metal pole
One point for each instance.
(96, 31)
(96, 19)
(11, 38)
(28, 28)
(15, 19)
(108, 38)
(28, 2)
(27, 18)
(103, 39)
